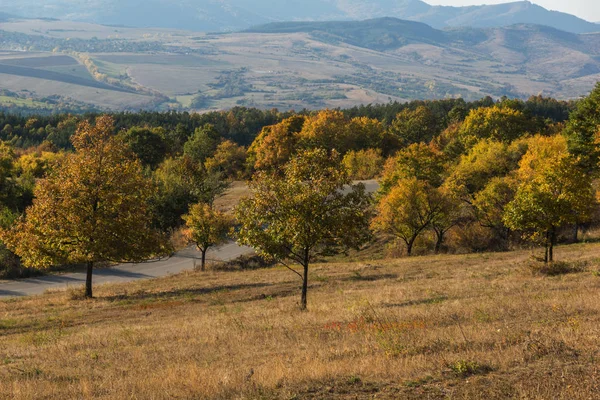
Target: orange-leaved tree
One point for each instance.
(91, 208)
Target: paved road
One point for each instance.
(183, 260)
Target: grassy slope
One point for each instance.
(391, 329)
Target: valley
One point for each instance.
(289, 65)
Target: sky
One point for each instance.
(586, 9)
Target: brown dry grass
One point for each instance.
(232, 196)
(474, 326)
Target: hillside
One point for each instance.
(496, 15)
(472, 326)
(376, 34)
(291, 65)
(231, 15)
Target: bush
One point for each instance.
(556, 268)
(473, 237)
(11, 267)
(244, 263)
(463, 368)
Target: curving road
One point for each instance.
(181, 261)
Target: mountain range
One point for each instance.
(235, 15)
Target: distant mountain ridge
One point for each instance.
(384, 34)
(538, 50)
(233, 15)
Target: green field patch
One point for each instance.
(5, 100)
(113, 70)
(185, 101)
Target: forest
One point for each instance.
(454, 176)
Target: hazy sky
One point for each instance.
(586, 9)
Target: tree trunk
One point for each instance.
(409, 245)
(551, 247)
(303, 301)
(576, 233)
(88, 280)
(203, 264)
(439, 242)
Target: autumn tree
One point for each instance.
(363, 164)
(449, 142)
(502, 124)
(553, 192)
(229, 160)
(7, 187)
(368, 133)
(180, 182)
(490, 203)
(415, 126)
(207, 227)
(311, 209)
(275, 145)
(407, 210)
(486, 160)
(419, 161)
(92, 208)
(328, 129)
(449, 214)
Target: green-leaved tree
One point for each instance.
(310, 210)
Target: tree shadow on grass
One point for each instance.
(357, 276)
(410, 303)
(10, 293)
(142, 295)
(119, 273)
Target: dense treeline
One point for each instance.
(453, 174)
(242, 124)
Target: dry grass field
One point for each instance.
(472, 326)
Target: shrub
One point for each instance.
(556, 268)
(464, 368)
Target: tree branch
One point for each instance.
(292, 269)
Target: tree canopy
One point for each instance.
(310, 210)
(92, 208)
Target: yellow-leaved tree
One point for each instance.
(207, 227)
(91, 208)
(553, 191)
(409, 208)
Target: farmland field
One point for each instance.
(55, 76)
(197, 71)
(161, 59)
(40, 62)
(4, 100)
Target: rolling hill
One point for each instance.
(292, 65)
(232, 15)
